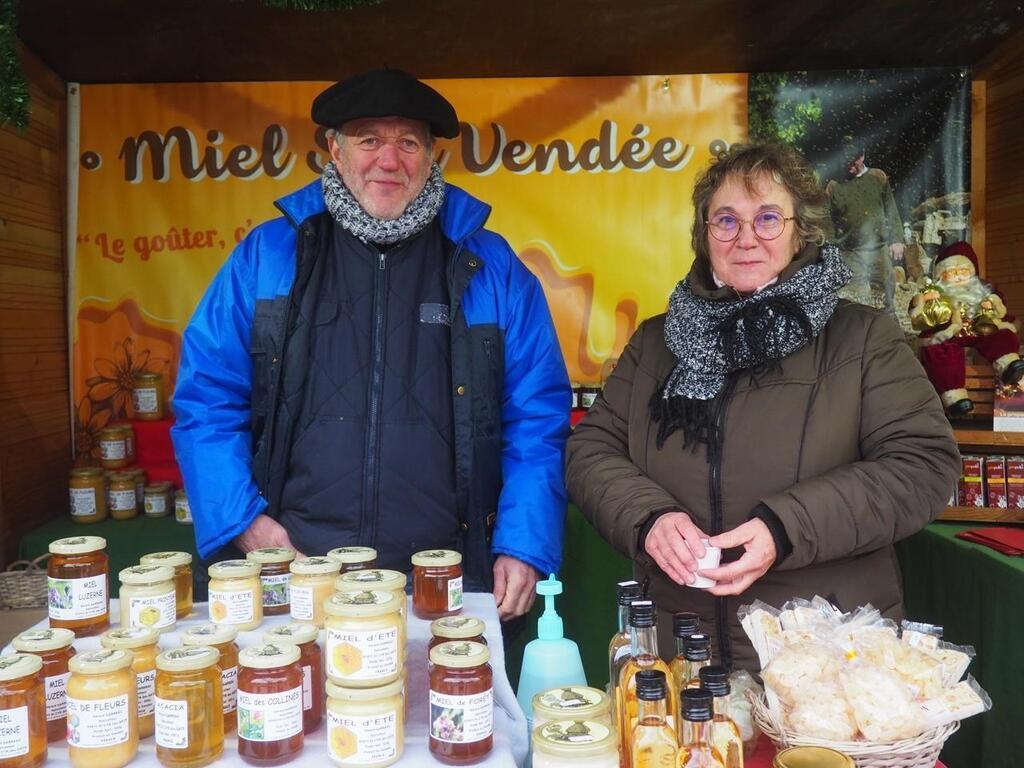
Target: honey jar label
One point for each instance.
(122, 500)
(13, 732)
(362, 740)
(455, 594)
(362, 654)
(156, 504)
(171, 723)
(461, 719)
(269, 716)
(145, 687)
(113, 450)
(70, 599)
(98, 722)
(307, 687)
(155, 611)
(144, 400)
(56, 692)
(229, 688)
(83, 502)
(302, 603)
(275, 590)
(232, 607)
(182, 512)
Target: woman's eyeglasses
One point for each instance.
(767, 225)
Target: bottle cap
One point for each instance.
(129, 637)
(270, 555)
(77, 545)
(349, 555)
(291, 634)
(233, 569)
(371, 578)
(685, 624)
(146, 574)
(209, 634)
(576, 702)
(42, 640)
(457, 627)
(716, 680)
(361, 604)
(460, 654)
(14, 666)
(315, 566)
(642, 614)
(628, 591)
(437, 558)
(268, 656)
(187, 658)
(549, 625)
(576, 738)
(697, 648)
(697, 705)
(166, 558)
(650, 685)
(100, 662)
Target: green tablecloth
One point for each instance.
(127, 540)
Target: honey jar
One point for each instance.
(113, 448)
(379, 579)
(354, 558)
(189, 707)
(222, 637)
(141, 642)
(436, 583)
(22, 712)
(461, 702)
(448, 628)
(54, 647)
(182, 510)
(311, 660)
(88, 495)
(77, 596)
(103, 727)
(121, 496)
(181, 562)
(148, 396)
(269, 704)
(129, 438)
(158, 499)
(236, 594)
(312, 583)
(276, 577)
(148, 597)
(575, 744)
(364, 632)
(365, 726)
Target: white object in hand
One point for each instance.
(712, 558)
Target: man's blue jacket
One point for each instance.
(511, 395)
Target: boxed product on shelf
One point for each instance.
(972, 488)
(995, 481)
(1015, 482)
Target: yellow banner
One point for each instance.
(589, 179)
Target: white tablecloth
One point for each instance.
(510, 733)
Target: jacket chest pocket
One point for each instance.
(487, 373)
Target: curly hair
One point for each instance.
(752, 163)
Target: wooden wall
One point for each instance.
(1003, 76)
(35, 433)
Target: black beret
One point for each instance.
(385, 93)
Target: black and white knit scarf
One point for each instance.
(712, 339)
(351, 216)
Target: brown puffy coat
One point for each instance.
(847, 444)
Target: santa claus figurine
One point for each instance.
(958, 310)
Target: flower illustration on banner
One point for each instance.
(117, 375)
(90, 418)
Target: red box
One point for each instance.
(1015, 482)
(972, 486)
(995, 481)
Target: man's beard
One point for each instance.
(970, 294)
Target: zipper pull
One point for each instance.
(382, 261)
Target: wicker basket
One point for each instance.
(919, 752)
(23, 584)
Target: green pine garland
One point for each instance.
(13, 88)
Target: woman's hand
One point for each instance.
(675, 544)
(758, 557)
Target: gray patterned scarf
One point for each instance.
(712, 339)
(350, 215)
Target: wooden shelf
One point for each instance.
(987, 440)
(982, 515)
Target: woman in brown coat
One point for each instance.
(795, 431)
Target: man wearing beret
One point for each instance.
(375, 368)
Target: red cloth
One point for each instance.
(154, 451)
(762, 757)
(1009, 541)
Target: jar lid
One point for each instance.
(209, 634)
(269, 656)
(393, 688)
(811, 757)
(156, 488)
(371, 578)
(146, 574)
(129, 637)
(148, 376)
(165, 484)
(173, 559)
(233, 569)
(100, 662)
(87, 472)
(78, 545)
(349, 555)
(291, 634)
(39, 640)
(437, 558)
(574, 738)
(315, 566)
(180, 495)
(122, 476)
(460, 654)
(134, 472)
(271, 555)
(367, 603)
(188, 658)
(16, 665)
(457, 627)
(577, 702)
(114, 433)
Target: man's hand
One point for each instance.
(675, 544)
(756, 539)
(265, 531)
(515, 586)
(896, 252)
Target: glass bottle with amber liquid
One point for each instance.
(683, 625)
(620, 647)
(697, 653)
(725, 734)
(644, 644)
(695, 748)
(654, 743)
